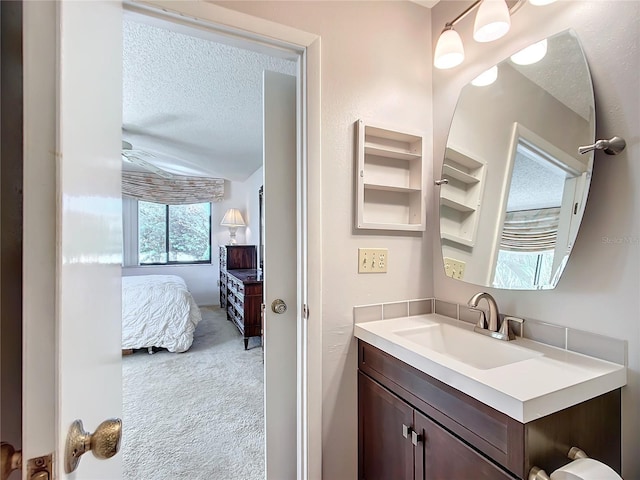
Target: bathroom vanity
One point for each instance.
(414, 425)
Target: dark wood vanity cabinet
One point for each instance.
(451, 435)
(399, 442)
(383, 450)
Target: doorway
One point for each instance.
(53, 400)
(198, 97)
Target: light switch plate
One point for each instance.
(373, 260)
(454, 268)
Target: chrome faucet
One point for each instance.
(490, 328)
(493, 311)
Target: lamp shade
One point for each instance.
(233, 218)
(492, 21)
(486, 78)
(449, 50)
(530, 55)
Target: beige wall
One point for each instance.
(599, 289)
(376, 63)
(376, 59)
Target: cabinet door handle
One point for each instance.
(416, 438)
(406, 430)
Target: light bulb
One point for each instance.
(449, 50)
(492, 21)
(531, 54)
(486, 78)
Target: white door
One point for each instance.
(280, 273)
(82, 137)
(73, 214)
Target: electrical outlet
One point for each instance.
(373, 260)
(454, 268)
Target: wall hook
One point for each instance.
(611, 147)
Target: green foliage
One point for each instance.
(189, 232)
(151, 233)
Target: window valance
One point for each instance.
(530, 230)
(178, 190)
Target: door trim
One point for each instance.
(39, 228)
(241, 26)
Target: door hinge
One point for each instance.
(40, 468)
(305, 311)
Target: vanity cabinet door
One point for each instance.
(384, 452)
(442, 456)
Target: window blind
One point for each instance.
(178, 190)
(530, 230)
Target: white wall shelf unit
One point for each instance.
(390, 183)
(461, 198)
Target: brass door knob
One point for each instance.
(104, 442)
(278, 306)
(10, 460)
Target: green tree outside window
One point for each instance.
(170, 234)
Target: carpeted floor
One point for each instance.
(199, 414)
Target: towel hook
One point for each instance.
(612, 146)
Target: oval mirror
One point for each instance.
(517, 186)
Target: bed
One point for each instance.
(157, 311)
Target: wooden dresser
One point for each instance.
(241, 289)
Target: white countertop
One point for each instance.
(553, 379)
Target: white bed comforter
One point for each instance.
(158, 311)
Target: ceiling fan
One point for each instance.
(140, 158)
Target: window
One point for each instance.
(523, 270)
(170, 234)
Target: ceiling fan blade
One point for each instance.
(136, 158)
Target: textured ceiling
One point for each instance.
(534, 184)
(196, 105)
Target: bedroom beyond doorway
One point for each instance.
(179, 114)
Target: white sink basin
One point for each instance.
(467, 347)
(522, 378)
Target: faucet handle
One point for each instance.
(482, 321)
(505, 330)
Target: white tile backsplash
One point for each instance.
(592, 344)
(367, 313)
(579, 341)
(395, 310)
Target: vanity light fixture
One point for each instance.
(449, 50)
(492, 22)
(232, 219)
(530, 55)
(486, 78)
